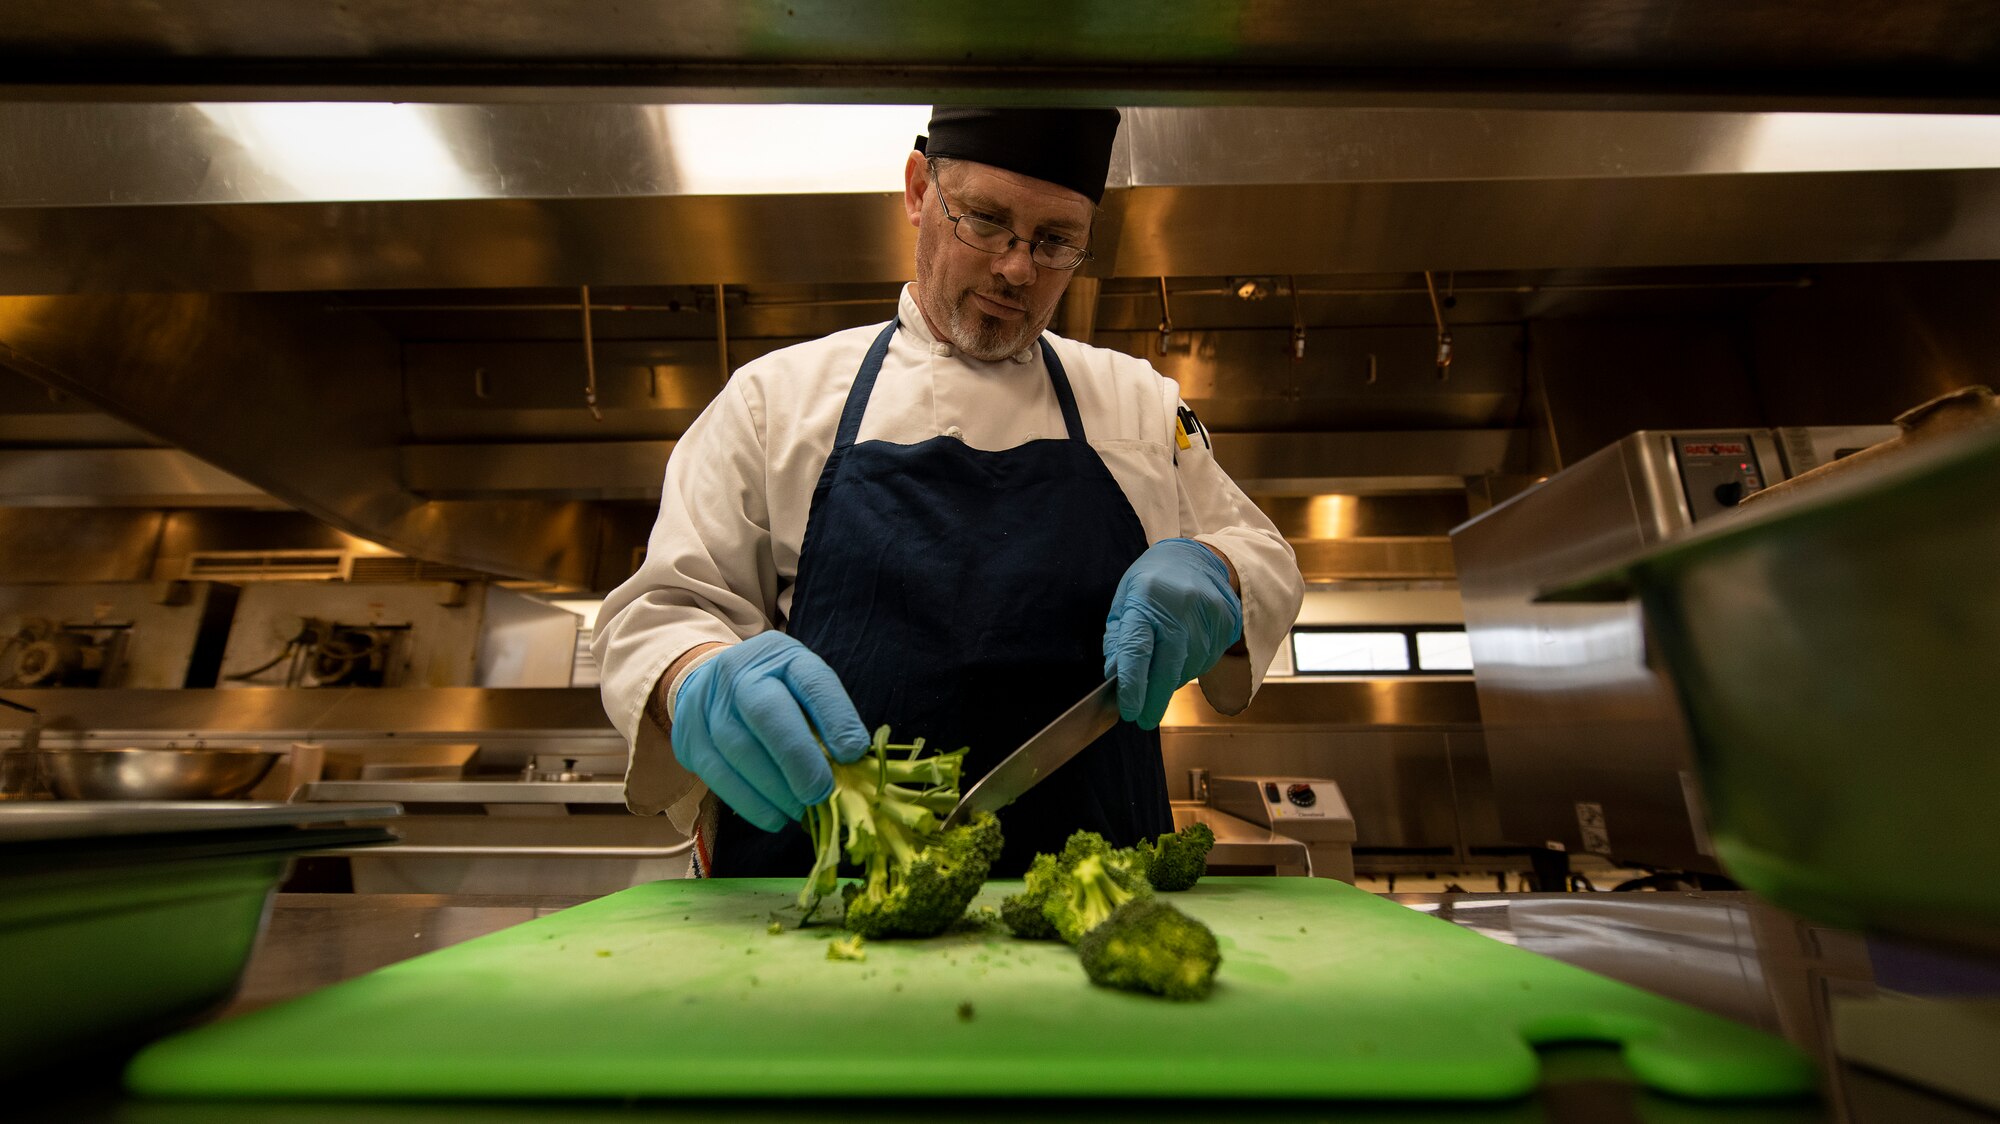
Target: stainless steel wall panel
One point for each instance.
(484, 243)
(1552, 224)
(1438, 704)
(631, 470)
(1350, 378)
(119, 478)
(436, 634)
(78, 544)
(458, 714)
(1361, 460)
(152, 634)
(305, 406)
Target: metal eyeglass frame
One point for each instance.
(1034, 245)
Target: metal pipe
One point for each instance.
(1444, 333)
(589, 360)
(721, 335)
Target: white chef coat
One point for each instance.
(723, 558)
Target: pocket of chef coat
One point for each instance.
(1145, 472)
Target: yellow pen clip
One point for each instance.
(1180, 434)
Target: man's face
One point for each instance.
(989, 306)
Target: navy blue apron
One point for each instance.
(960, 595)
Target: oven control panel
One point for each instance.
(1303, 800)
(1717, 472)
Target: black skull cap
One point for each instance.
(1068, 147)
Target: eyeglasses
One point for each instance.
(990, 237)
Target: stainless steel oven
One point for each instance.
(1587, 749)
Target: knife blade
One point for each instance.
(1040, 755)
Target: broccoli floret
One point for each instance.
(1080, 845)
(885, 815)
(848, 949)
(1023, 911)
(1148, 945)
(926, 895)
(1176, 861)
(1085, 894)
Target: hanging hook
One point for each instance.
(1298, 321)
(1166, 319)
(589, 360)
(1444, 333)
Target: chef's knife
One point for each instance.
(1039, 756)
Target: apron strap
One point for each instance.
(864, 385)
(1065, 397)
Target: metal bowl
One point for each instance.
(154, 774)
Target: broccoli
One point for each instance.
(929, 893)
(1148, 945)
(1176, 861)
(885, 814)
(849, 949)
(1023, 911)
(1085, 894)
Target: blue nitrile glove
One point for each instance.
(1171, 619)
(741, 725)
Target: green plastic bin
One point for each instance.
(1838, 658)
(109, 943)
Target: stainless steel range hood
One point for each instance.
(276, 197)
(197, 271)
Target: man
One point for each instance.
(953, 524)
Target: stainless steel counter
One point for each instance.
(1724, 952)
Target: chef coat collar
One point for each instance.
(915, 324)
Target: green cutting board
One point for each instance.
(678, 989)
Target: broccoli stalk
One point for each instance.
(1148, 945)
(885, 814)
(1176, 861)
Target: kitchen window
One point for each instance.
(1360, 650)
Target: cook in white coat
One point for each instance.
(954, 523)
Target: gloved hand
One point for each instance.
(1172, 617)
(741, 725)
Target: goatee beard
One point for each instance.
(984, 337)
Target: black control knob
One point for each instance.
(1301, 794)
(1730, 494)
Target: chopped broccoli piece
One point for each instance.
(965, 1011)
(1081, 845)
(847, 948)
(775, 927)
(1148, 945)
(929, 892)
(886, 815)
(1023, 911)
(1086, 894)
(1176, 861)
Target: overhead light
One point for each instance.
(347, 150)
